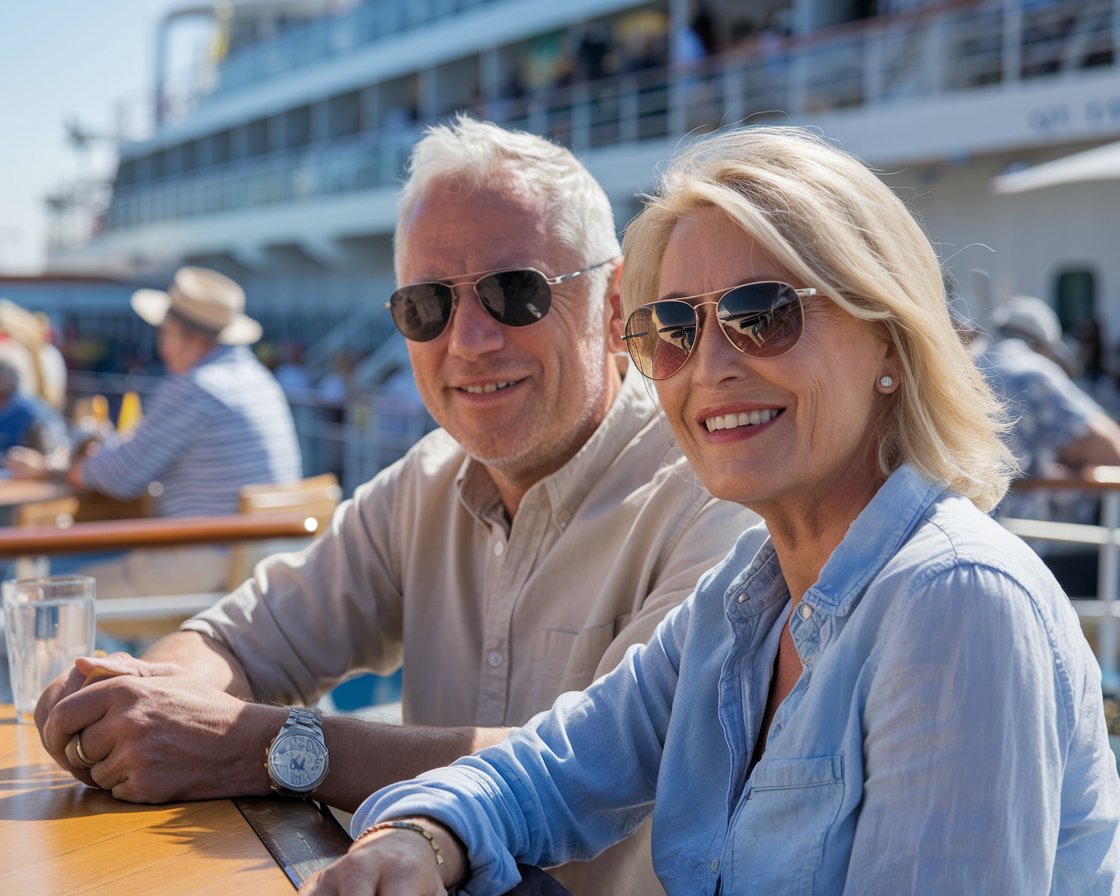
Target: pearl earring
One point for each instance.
(886, 381)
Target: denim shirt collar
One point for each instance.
(873, 538)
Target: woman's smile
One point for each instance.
(736, 420)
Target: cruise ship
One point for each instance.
(279, 159)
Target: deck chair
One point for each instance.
(315, 496)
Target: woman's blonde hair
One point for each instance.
(829, 221)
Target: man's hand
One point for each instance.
(25, 463)
(84, 671)
(392, 861)
(152, 733)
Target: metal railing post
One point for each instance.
(1108, 634)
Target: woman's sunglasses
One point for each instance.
(515, 297)
(762, 320)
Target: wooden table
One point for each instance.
(14, 492)
(62, 838)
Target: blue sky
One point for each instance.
(62, 59)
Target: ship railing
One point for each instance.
(997, 40)
(965, 46)
(1099, 613)
(314, 41)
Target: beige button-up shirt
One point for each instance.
(491, 621)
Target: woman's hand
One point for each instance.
(395, 862)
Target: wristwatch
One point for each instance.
(297, 759)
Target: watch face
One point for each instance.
(298, 762)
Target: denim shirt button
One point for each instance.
(742, 596)
(805, 610)
(715, 864)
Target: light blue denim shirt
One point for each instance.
(946, 735)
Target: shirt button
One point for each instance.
(499, 548)
(742, 597)
(805, 610)
(494, 659)
(715, 864)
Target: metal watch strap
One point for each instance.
(311, 720)
(300, 719)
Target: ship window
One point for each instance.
(1075, 292)
(126, 173)
(188, 156)
(220, 147)
(297, 127)
(256, 137)
(344, 114)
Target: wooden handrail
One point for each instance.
(1091, 479)
(151, 533)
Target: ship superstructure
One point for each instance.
(280, 165)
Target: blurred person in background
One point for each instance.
(1057, 428)
(28, 420)
(216, 422)
(513, 554)
(25, 343)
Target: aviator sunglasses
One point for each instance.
(762, 320)
(514, 297)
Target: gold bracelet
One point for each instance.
(404, 826)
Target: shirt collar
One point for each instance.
(875, 536)
(217, 353)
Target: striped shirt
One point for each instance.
(223, 424)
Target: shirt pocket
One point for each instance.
(568, 660)
(780, 829)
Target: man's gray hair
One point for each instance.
(474, 153)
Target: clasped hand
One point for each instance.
(150, 732)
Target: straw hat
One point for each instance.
(203, 297)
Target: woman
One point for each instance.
(880, 691)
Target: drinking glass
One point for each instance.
(49, 622)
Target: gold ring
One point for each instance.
(83, 759)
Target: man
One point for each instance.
(1057, 428)
(28, 420)
(511, 555)
(218, 422)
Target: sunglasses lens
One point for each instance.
(763, 320)
(515, 298)
(660, 337)
(421, 311)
